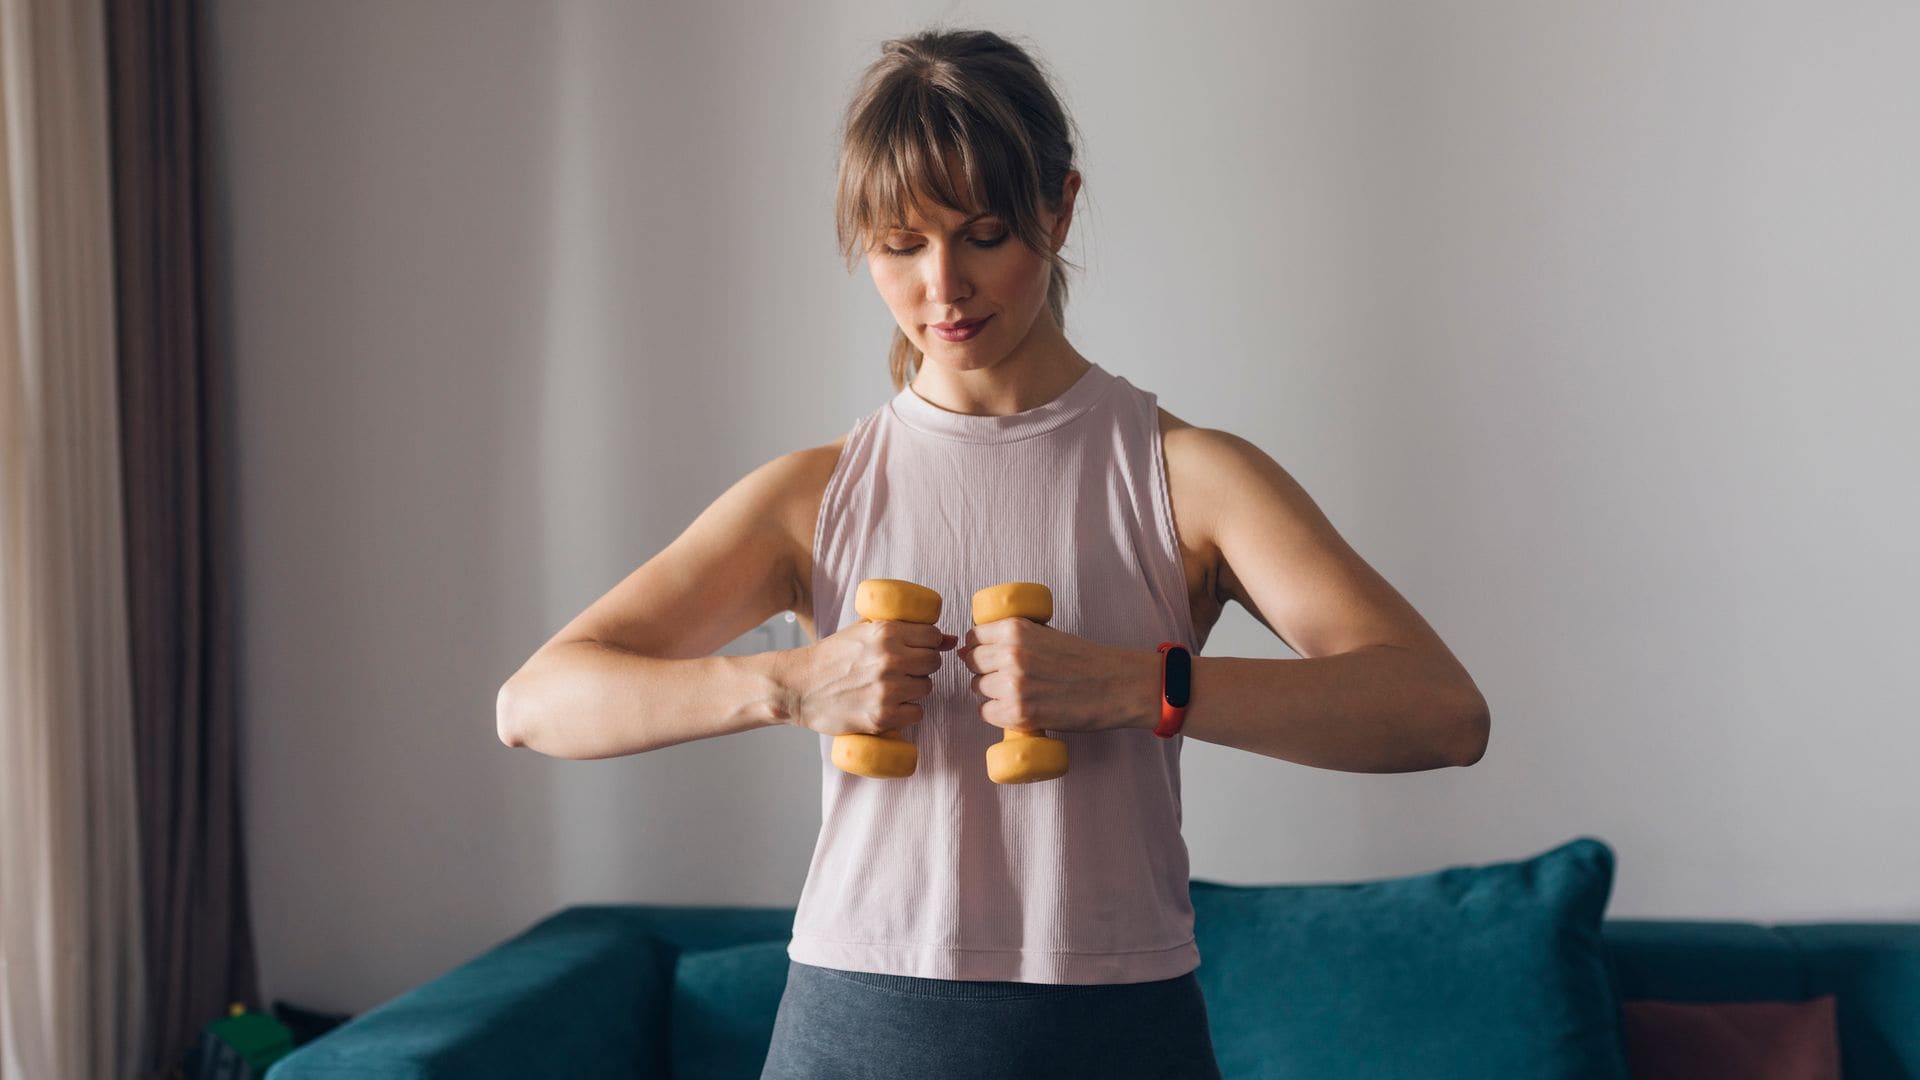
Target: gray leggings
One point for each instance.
(855, 1025)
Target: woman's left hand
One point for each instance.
(1036, 678)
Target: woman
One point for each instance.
(950, 926)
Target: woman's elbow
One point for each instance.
(506, 716)
(1474, 731)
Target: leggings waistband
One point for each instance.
(985, 990)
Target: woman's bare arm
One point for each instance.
(591, 699)
(1375, 690)
(635, 671)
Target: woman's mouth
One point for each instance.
(961, 331)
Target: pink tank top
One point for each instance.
(945, 874)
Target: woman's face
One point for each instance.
(951, 270)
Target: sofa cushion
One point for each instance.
(1474, 971)
(724, 1003)
(1732, 1040)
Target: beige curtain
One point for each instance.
(71, 968)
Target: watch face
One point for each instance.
(1179, 677)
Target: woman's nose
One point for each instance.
(946, 282)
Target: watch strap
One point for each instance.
(1173, 717)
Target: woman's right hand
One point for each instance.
(867, 677)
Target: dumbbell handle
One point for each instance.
(887, 755)
(1020, 757)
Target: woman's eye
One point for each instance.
(995, 241)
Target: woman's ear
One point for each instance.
(1068, 189)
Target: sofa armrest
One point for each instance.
(583, 993)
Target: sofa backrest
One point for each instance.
(1873, 969)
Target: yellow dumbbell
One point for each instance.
(888, 755)
(1020, 757)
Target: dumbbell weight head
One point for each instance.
(1020, 757)
(888, 755)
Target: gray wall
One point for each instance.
(1592, 327)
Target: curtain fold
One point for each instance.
(72, 977)
(179, 555)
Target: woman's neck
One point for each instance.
(1023, 379)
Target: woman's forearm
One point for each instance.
(1381, 709)
(591, 700)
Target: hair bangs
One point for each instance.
(924, 152)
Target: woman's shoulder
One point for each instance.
(1196, 451)
(1189, 452)
(1183, 445)
(808, 472)
(1213, 474)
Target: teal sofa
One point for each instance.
(1507, 969)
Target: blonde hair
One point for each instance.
(941, 94)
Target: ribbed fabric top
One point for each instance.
(945, 874)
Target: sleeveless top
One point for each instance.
(945, 874)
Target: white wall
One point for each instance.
(1593, 328)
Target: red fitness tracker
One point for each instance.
(1176, 688)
